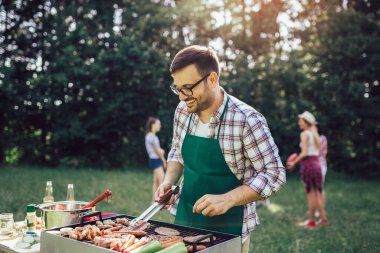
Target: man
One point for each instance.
(224, 148)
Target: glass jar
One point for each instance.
(6, 223)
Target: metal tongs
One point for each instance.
(156, 206)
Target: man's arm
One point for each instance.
(211, 205)
(267, 174)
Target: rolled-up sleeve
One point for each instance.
(175, 151)
(269, 173)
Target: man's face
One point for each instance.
(202, 96)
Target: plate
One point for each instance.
(20, 250)
(11, 236)
(26, 250)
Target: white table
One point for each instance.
(7, 245)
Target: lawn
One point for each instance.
(353, 206)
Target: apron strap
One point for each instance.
(221, 117)
(188, 125)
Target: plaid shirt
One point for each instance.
(248, 149)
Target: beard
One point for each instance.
(195, 106)
(204, 101)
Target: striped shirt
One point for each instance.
(322, 150)
(248, 149)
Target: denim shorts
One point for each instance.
(155, 163)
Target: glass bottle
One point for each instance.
(70, 192)
(49, 192)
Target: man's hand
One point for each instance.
(173, 173)
(161, 190)
(211, 205)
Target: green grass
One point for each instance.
(353, 206)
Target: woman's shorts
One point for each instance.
(311, 174)
(155, 163)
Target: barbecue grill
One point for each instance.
(53, 242)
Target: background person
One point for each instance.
(223, 146)
(310, 168)
(156, 154)
(323, 147)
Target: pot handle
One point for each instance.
(102, 196)
(91, 214)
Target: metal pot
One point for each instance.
(63, 213)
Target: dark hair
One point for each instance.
(149, 123)
(204, 58)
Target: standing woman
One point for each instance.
(310, 168)
(156, 154)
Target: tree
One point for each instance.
(345, 58)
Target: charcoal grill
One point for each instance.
(52, 242)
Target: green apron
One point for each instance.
(206, 172)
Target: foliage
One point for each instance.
(79, 79)
(82, 104)
(345, 87)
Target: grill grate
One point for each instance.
(215, 237)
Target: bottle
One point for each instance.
(49, 192)
(31, 217)
(70, 192)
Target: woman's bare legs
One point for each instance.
(315, 203)
(312, 203)
(321, 204)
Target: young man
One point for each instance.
(223, 146)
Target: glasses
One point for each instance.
(187, 91)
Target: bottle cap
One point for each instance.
(31, 208)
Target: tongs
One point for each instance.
(156, 206)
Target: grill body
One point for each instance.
(51, 242)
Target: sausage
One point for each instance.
(197, 248)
